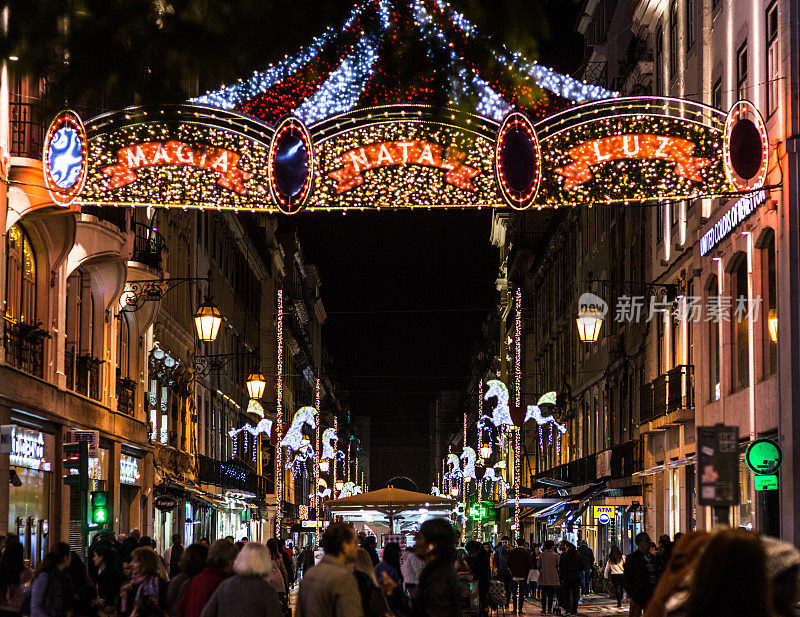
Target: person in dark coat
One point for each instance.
(479, 563)
(47, 596)
(519, 564)
(570, 566)
(106, 575)
(247, 593)
(191, 563)
(218, 567)
(439, 591)
(640, 575)
(588, 561)
(371, 546)
(83, 600)
(173, 555)
(288, 563)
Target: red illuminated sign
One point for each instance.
(390, 153)
(219, 160)
(674, 149)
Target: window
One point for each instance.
(659, 222)
(712, 296)
(740, 322)
(674, 211)
(673, 39)
(773, 92)
(690, 327)
(716, 94)
(675, 339)
(741, 71)
(659, 58)
(770, 301)
(690, 17)
(20, 277)
(123, 347)
(659, 318)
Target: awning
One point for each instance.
(571, 506)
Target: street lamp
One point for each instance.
(772, 323)
(325, 465)
(339, 485)
(589, 323)
(454, 491)
(486, 451)
(207, 320)
(256, 383)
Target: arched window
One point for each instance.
(769, 305)
(123, 347)
(713, 299)
(740, 323)
(20, 277)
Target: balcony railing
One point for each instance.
(24, 346)
(110, 214)
(672, 391)
(126, 395)
(148, 245)
(83, 373)
(232, 475)
(27, 130)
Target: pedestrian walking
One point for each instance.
(664, 551)
(390, 564)
(106, 576)
(519, 564)
(80, 592)
(501, 553)
(587, 554)
(410, 569)
(373, 601)
(615, 572)
(439, 592)
(570, 567)
(191, 563)
(288, 563)
(731, 578)
(145, 595)
(219, 565)
(490, 553)
(47, 594)
(277, 576)
(247, 593)
(371, 546)
(640, 575)
(479, 562)
(548, 576)
(173, 554)
(533, 574)
(330, 588)
(13, 575)
(672, 589)
(783, 566)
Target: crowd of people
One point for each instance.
(730, 573)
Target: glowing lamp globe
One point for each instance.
(339, 485)
(589, 323)
(772, 324)
(324, 465)
(207, 320)
(305, 440)
(454, 491)
(256, 385)
(486, 450)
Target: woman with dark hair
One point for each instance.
(672, 586)
(439, 591)
(371, 546)
(615, 572)
(13, 575)
(190, 563)
(372, 599)
(145, 595)
(390, 564)
(106, 575)
(47, 593)
(479, 564)
(278, 577)
(730, 579)
(82, 600)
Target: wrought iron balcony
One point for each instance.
(24, 346)
(672, 391)
(110, 214)
(148, 245)
(27, 130)
(232, 475)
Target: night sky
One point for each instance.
(406, 293)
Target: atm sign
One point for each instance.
(604, 514)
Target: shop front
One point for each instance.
(130, 478)
(30, 459)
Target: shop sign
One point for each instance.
(397, 538)
(128, 470)
(718, 465)
(603, 514)
(764, 456)
(766, 483)
(737, 213)
(315, 524)
(165, 503)
(27, 448)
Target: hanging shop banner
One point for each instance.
(718, 465)
(407, 156)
